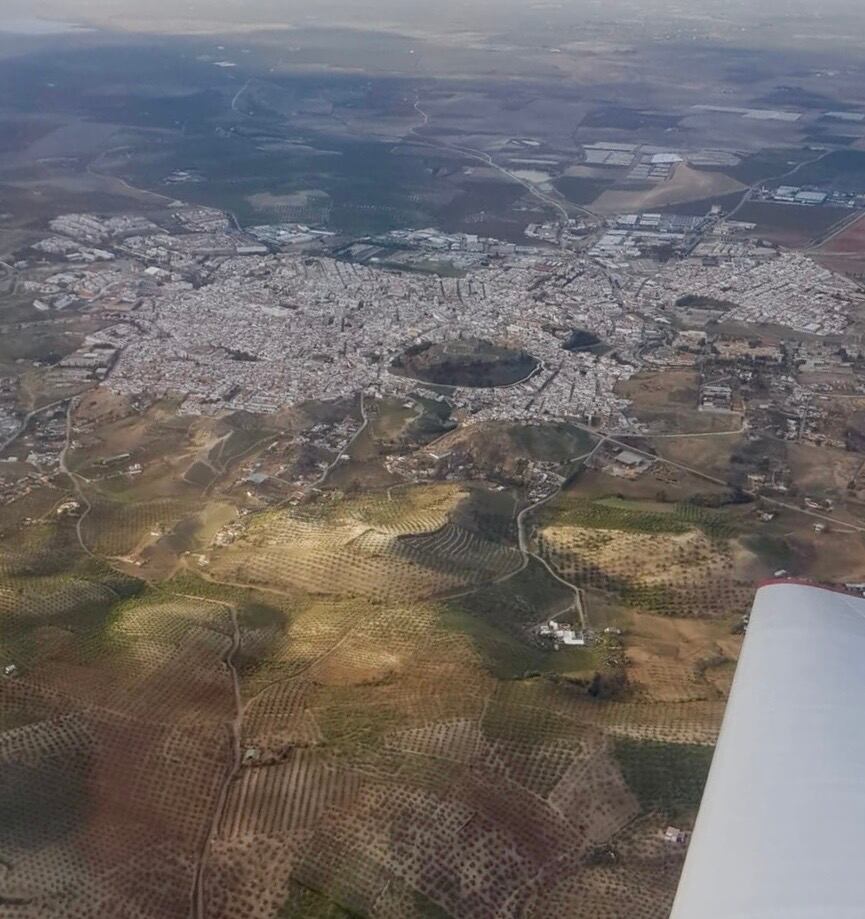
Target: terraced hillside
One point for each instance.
(231, 698)
(677, 560)
(418, 542)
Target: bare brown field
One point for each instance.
(686, 184)
(849, 241)
(709, 455)
(667, 401)
(852, 264)
(822, 472)
(789, 224)
(676, 660)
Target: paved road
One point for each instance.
(746, 196)
(548, 200)
(237, 96)
(126, 186)
(345, 449)
(743, 426)
(723, 482)
(25, 423)
(527, 553)
(75, 479)
(836, 230)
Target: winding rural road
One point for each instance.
(523, 540)
(135, 191)
(544, 197)
(25, 423)
(237, 96)
(198, 900)
(75, 479)
(826, 518)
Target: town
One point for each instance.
(231, 322)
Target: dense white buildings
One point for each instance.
(209, 313)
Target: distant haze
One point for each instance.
(444, 16)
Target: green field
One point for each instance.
(631, 516)
(664, 776)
